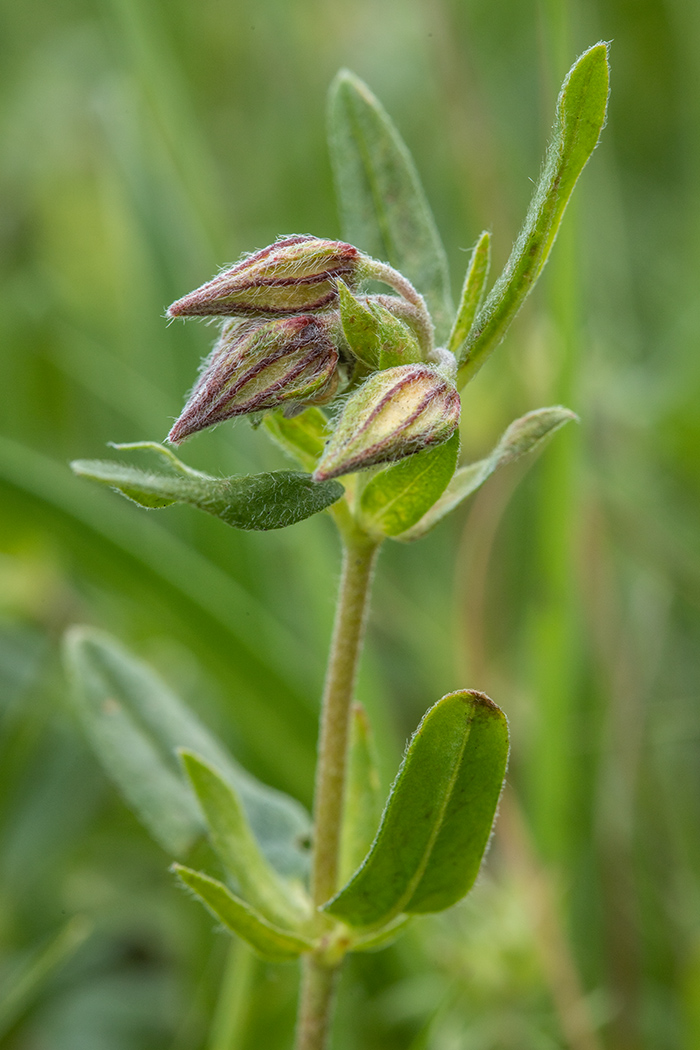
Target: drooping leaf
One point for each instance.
(363, 799)
(472, 292)
(438, 817)
(581, 111)
(268, 940)
(303, 437)
(399, 496)
(136, 724)
(233, 840)
(247, 501)
(523, 435)
(383, 207)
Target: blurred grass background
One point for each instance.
(144, 144)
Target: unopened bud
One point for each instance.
(293, 275)
(260, 365)
(394, 414)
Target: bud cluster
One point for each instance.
(295, 334)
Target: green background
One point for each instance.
(144, 144)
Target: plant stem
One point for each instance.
(319, 975)
(351, 614)
(315, 1003)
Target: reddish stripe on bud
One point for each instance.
(293, 275)
(395, 413)
(260, 365)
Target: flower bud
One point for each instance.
(394, 414)
(259, 365)
(293, 275)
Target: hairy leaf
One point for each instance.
(399, 496)
(247, 501)
(438, 817)
(472, 292)
(524, 435)
(268, 940)
(233, 839)
(136, 724)
(383, 207)
(581, 111)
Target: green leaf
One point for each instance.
(383, 207)
(581, 111)
(472, 293)
(303, 437)
(523, 435)
(438, 817)
(246, 501)
(136, 724)
(362, 808)
(268, 940)
(234, 842)
(396, 498)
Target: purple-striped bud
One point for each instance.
(394, 414)
(259, 365)
(293, 275)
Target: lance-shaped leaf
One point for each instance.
(362, 808)
(136, 724)
(268, 940)
(581, 110)
(246, 501)
(302, 436)
(232, 838)
(383, 207)
(399, 496)
(438, 817)
(524, 435)
(472, 292)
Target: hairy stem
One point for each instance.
(315, 1004)
(380, 271)
(319, 974)
(359, 556)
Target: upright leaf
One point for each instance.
(246, 501)
(581, 111)
(136, 725)
(472, 292)
(268, 940)
(383, 207)
(362, 809)
(524, 435)
(397, 497)
(233, 840)
(438, 818)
